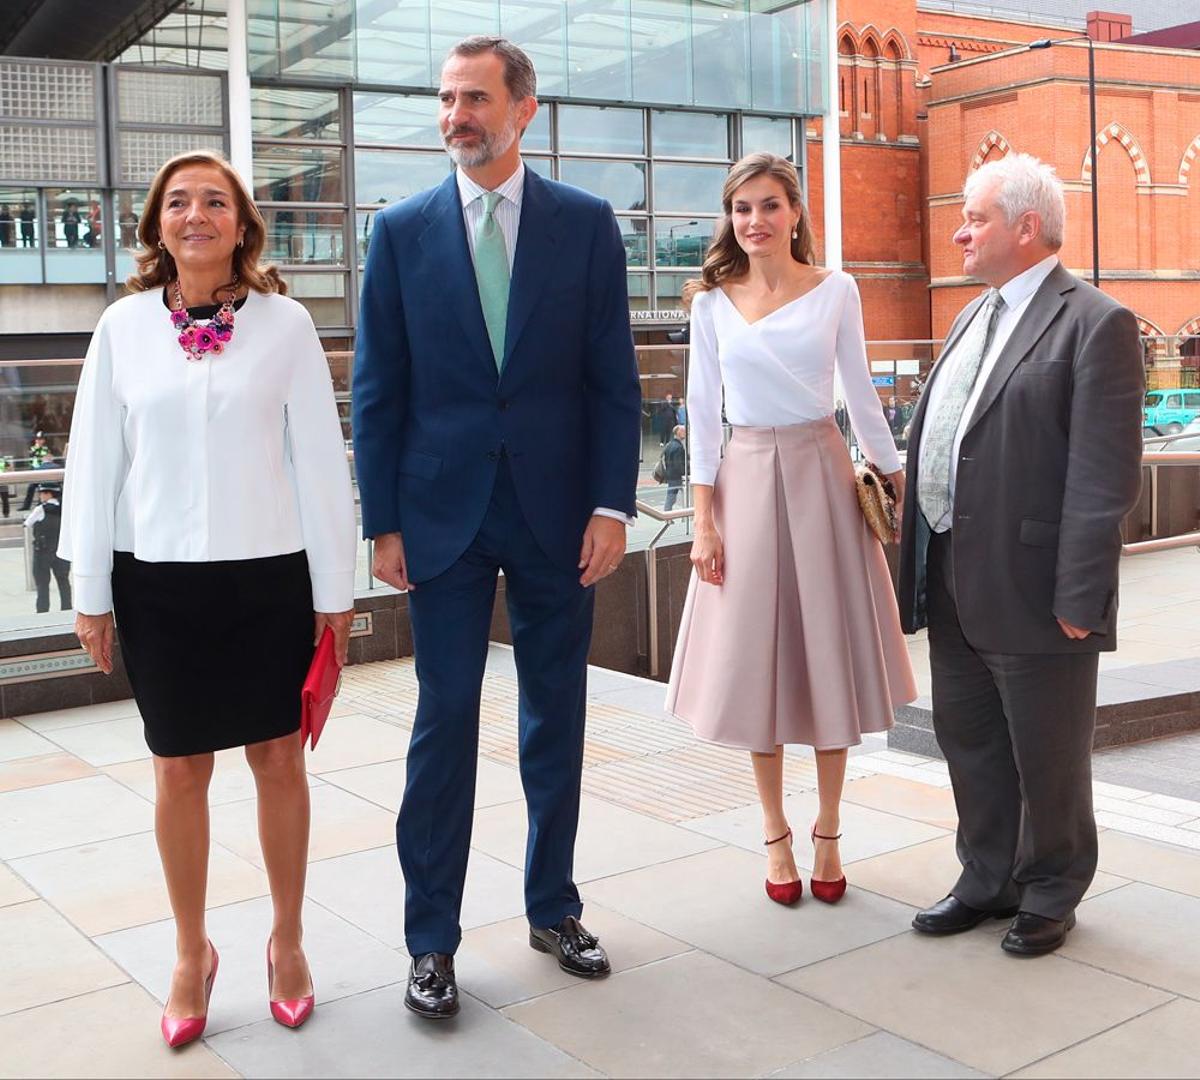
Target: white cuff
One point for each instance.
(332, 591)
(616, 515)
(92, 593)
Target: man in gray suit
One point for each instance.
(1023, 460)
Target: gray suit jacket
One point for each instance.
(1048, 469)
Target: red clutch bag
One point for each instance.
(321, 685)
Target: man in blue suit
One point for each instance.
(496, 427)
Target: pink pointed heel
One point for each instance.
(828, 892)
(290, 1012)
(180, 1032)
(787, 892)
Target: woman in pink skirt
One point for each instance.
(790, 632)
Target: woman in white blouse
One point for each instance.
(790, 631)
(208, 505)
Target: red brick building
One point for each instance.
(926, 96)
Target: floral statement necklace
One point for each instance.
(197, 340)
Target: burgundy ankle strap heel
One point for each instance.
(787, 892)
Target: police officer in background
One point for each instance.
(44, 523)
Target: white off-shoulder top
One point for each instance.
(779, 370)
(236, 456)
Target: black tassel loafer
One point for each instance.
(577, 951)
(432, 989)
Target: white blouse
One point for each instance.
(237, 456)
(779, 370)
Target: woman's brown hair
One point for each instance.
(725, 259)
(156, 266)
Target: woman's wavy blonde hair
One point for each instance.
(725, 259)
(156, 266)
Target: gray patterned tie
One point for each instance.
(937, 446)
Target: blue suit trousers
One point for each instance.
(550, 615)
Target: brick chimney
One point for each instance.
(1107, 26)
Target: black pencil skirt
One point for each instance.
(216, 652)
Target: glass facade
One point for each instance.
(193, 34)
(661, 171)
(643, 102)
(726, 54)
(70, 171)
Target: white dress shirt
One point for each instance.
(236, 456)
(1016, 293)
(508, 217)
(507, 212)
(778, 370)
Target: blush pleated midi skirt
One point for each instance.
(216, 652)
(802, 643)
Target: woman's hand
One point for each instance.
(339, 622)
(897, 481)
(96, 634)
(708, 554)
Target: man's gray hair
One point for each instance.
(519, 74)
(1024, 184)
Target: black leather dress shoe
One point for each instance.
(952, 916)
(577, 951)
(432, 990)
(1035, 935)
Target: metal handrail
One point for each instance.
(1154, 461)
(30, 476)
(668, 518)
(1163, 543)
(1164, 440)
(72, 361)
(1140, 547)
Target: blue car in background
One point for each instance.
(1169, 411)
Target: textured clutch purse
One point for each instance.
(321, 685)
(877, 497)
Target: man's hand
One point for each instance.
(339, 622)
(603, 548)
(96, 633)
(389, 564)
(1073, 632)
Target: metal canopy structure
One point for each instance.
(95, 30)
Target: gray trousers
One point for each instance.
(1016, 731)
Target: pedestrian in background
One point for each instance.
(44, 524)
(665, 419)
(209, 379)
(28, 217)
(71, 220)
(674, 459)
(39, 458)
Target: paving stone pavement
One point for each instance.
(710, 978)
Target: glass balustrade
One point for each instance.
(37, 398)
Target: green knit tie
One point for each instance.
(491, 274)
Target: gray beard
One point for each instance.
(491, 146)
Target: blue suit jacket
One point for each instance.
(430, 415)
